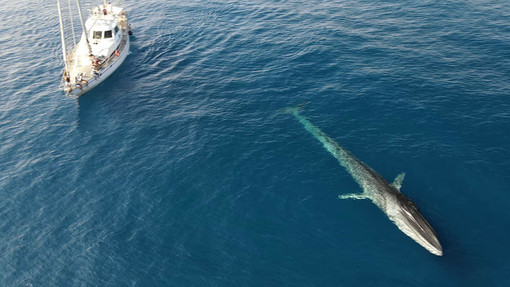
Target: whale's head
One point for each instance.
(410, 221)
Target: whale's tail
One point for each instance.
(294, 110)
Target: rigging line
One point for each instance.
(72, 25)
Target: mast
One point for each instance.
(83, 27)
(62, 35)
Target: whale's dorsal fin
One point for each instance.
(397, 183)
(354, 196)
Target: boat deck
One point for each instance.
(81, 64)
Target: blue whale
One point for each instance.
(399, 209)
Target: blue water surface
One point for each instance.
(179, 170)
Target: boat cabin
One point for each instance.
(104, 32)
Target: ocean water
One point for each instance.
(180, 170)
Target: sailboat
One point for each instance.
(102, 48)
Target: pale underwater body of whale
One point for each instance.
(399, 209)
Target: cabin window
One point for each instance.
(97, 34)
(108, 34)
(116, 30)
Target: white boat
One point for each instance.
(103, 47)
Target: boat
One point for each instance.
(102, 48)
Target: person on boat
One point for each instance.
(66, 78)
(80, 80)
(105, 12)
(96, 63)
(78, 85)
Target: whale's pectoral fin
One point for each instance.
(397, 183)
(354, 196)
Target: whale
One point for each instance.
(401, 210)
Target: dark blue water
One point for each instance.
(180, 171)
